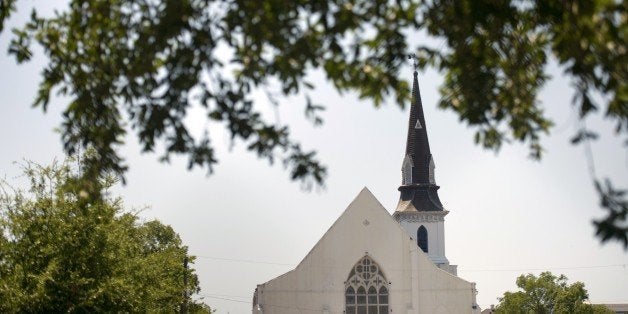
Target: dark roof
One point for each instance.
(421, 193)
(417, 144)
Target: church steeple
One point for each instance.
(419, 210)
(418, 189)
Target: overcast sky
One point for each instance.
(248, 223)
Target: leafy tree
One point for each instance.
(155, 59)
(62, 252)
(547, 294)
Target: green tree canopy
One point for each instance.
(146, 63)
(547, 294)
(61, 252)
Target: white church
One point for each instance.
(370, 262)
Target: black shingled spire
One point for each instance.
(418, 191)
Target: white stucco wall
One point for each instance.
(317, 285)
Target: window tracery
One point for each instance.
(366, 289)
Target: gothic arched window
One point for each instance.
(421, 238)
(406, 170)
(431, 171)
(366, 289)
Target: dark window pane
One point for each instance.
(372, 299)
(361, 290)
(361, 299)
(362, 309)
(372, 290)
(373, 309)
(383, 290)
(421, 238)
(383, 299)
(350, 299)
(350, 310)
(383, 309)
(350, 290)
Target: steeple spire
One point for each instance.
(418, 189)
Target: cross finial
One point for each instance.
(415, 61)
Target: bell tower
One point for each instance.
(419, 210)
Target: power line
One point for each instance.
(242, 260)
(484, 305)
(250, 261)
(223, 298)
(267, 305)
(542, 269)
(208, 294)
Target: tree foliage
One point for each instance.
(61, 252)
(146, 63)
(547, 294)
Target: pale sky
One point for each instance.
(248, 223)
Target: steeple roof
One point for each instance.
(418, 189)
(417, 144)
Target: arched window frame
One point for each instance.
(406, 170)
(366, 289)
(431, 174)
(422, 238)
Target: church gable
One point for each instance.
(329, 277)
(364, 219)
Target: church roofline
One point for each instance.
(365, 194)
(356, 204)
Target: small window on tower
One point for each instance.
(421, 238)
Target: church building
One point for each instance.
(370, 262)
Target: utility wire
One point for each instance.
(223, 298)
(545, 268)
(459, 268)
(241, 260)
